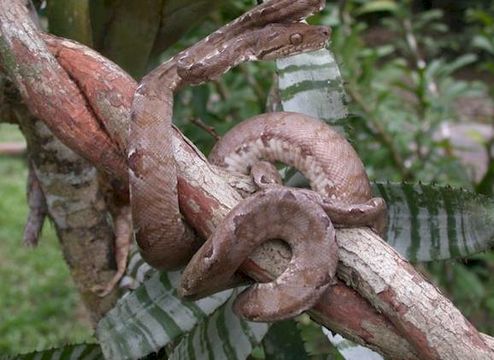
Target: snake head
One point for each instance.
(269, 42)
(280, 40)
(205, 275)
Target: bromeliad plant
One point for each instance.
(425, 222)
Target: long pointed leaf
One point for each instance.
(222, 336)
(311, 84)
(150, 317)
(427, 222)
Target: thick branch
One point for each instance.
(52, 95)
(112, 100)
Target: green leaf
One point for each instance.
(178, 17)
(427, 222)
(484, 43)
(468, 284)
(378, 5)
(316, 342)
(284, 342)
(130, 33)
(70, 19)
(311, 84)
(69, 352)
(222, 336)
(153, 315)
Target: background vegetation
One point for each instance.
(409, 67)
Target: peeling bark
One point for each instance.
(37, 209)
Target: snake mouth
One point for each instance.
(304, 47)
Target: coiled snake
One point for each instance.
(343, 194)
(164, 239)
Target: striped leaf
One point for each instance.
(310, 83)
(145, 320)
(222, 336)
(427, 222)
(70, 352)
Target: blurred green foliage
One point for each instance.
(39, 306)
(403, 63)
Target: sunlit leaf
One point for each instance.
(484, 43)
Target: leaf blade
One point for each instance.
(428, 222)
(145, 320)
(223, 336)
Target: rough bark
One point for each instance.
(416, 308)
(77, 208)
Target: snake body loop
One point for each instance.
(275, 213)
(342, 191)
(320, 153)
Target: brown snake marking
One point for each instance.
(167, 243)
(164, 239)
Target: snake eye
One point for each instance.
(296, 39)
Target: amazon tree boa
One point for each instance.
(328, 161)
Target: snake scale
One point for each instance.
(343, 191)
